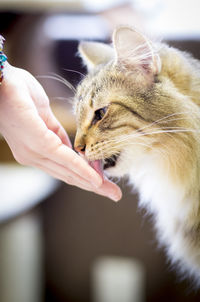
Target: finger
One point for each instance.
(53, 124)
(59, 176)
(67, 175)
(67, 180)
(71, 160)
(111, 190)
(108, 189)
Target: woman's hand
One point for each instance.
(37, 139)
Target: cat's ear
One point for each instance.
(134, 50)
(95, 53)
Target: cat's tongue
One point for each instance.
(98, 166)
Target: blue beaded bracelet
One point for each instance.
(3, 59)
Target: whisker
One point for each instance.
(75, 71)
(166, 130)
(59, 79)
(69, 100)
(159, 131)
(173, 131)
(136, 132)
(179, 119)
(183, 128)
(61, 98)
(163, 151)
(163, 119)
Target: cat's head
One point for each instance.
(122, 104)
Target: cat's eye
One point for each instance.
(99, 114)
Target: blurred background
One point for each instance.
(57, 242)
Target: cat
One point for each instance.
(138, 115)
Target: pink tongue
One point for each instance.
(98, 166)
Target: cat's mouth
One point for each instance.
(101, 165)
(110, 161)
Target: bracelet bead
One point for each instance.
(3, 58)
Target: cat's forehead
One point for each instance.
(99, 85)
(91, 91)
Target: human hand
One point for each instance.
(37, 139)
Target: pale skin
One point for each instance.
(36, 138)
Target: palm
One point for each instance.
(36, 138)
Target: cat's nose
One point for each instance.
(80, 149)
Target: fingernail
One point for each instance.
(114, 198)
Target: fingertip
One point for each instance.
(116, 196)
(111, 190)
(64, 137)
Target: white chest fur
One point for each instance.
(172, 207)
